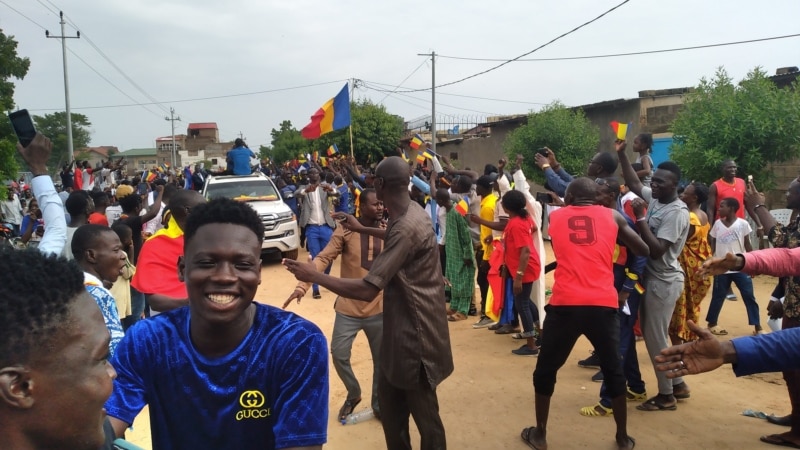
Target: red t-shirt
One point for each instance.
(77, 183)
(98, 219)
(725, 190)
(583, 239)
(518, 234)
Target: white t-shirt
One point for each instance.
(730, 239)
(441, 215)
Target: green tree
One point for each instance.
(287, 144)
(11, 66)
(753, 123)
(375, 133)
(566, 131)
(54, 126)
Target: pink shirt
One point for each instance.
(777, 262)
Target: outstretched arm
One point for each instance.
(631, 180)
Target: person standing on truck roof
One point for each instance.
(238, 158)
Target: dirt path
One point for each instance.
(489, 398)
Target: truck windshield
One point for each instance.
(245, 190)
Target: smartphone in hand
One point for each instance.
(23, 126)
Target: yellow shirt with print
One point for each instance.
(487, 213)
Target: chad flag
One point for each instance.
(416, 142)
(334, 115)
(620, 129)
(463, 206)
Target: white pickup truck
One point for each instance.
(281, 233)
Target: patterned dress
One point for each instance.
(458, 250)
(695, 251)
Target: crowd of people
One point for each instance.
(174, 277)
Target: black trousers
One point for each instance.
(564, 324)
(420, 403)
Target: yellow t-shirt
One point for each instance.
(487, 213)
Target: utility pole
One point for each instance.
(433, 98)
(172, 119)
(64, 38)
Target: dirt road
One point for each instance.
(489, 398)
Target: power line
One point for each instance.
(23, 15)
(53, 12)
(81, 60)
(468, 96)
(647, 52)
(200, 99)
(395, 94)
(483, 72)
(404, 80)
(112, 63)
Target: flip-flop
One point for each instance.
(776, 439)
(718, 330)
(526, 437)
(654, 404)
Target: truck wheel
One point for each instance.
(291, 254)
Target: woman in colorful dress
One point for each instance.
(695, 252)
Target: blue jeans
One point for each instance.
(137, 308)
(317, 237)
(627, 341)
(528, 313)
(721, 285)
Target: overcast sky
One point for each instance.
(178, 50)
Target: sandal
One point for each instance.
(456, 317)
(523, 335)
(777, 439)
(597, 410)
(348, 407)
(635, 396)
(656, 404)
(527, 437)
(718, 330)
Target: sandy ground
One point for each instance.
(487, 401)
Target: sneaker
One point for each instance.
(598, 377)
(472, 312)
(317, 295)
(538, 341)
(731, 296)
(495, 326)
(526, 351)
(635, 397)
(592, 362)
(483, 323)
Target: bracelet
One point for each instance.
(641, 219)
(545, 166)
(757, 206)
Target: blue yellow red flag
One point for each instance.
(333, 115)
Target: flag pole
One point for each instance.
(352, 90)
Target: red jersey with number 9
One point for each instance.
(583, 239)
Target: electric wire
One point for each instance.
(404, 80)
(201, 98)
(646, 52)
(466, 96)
(483, 72)
(81, 60)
